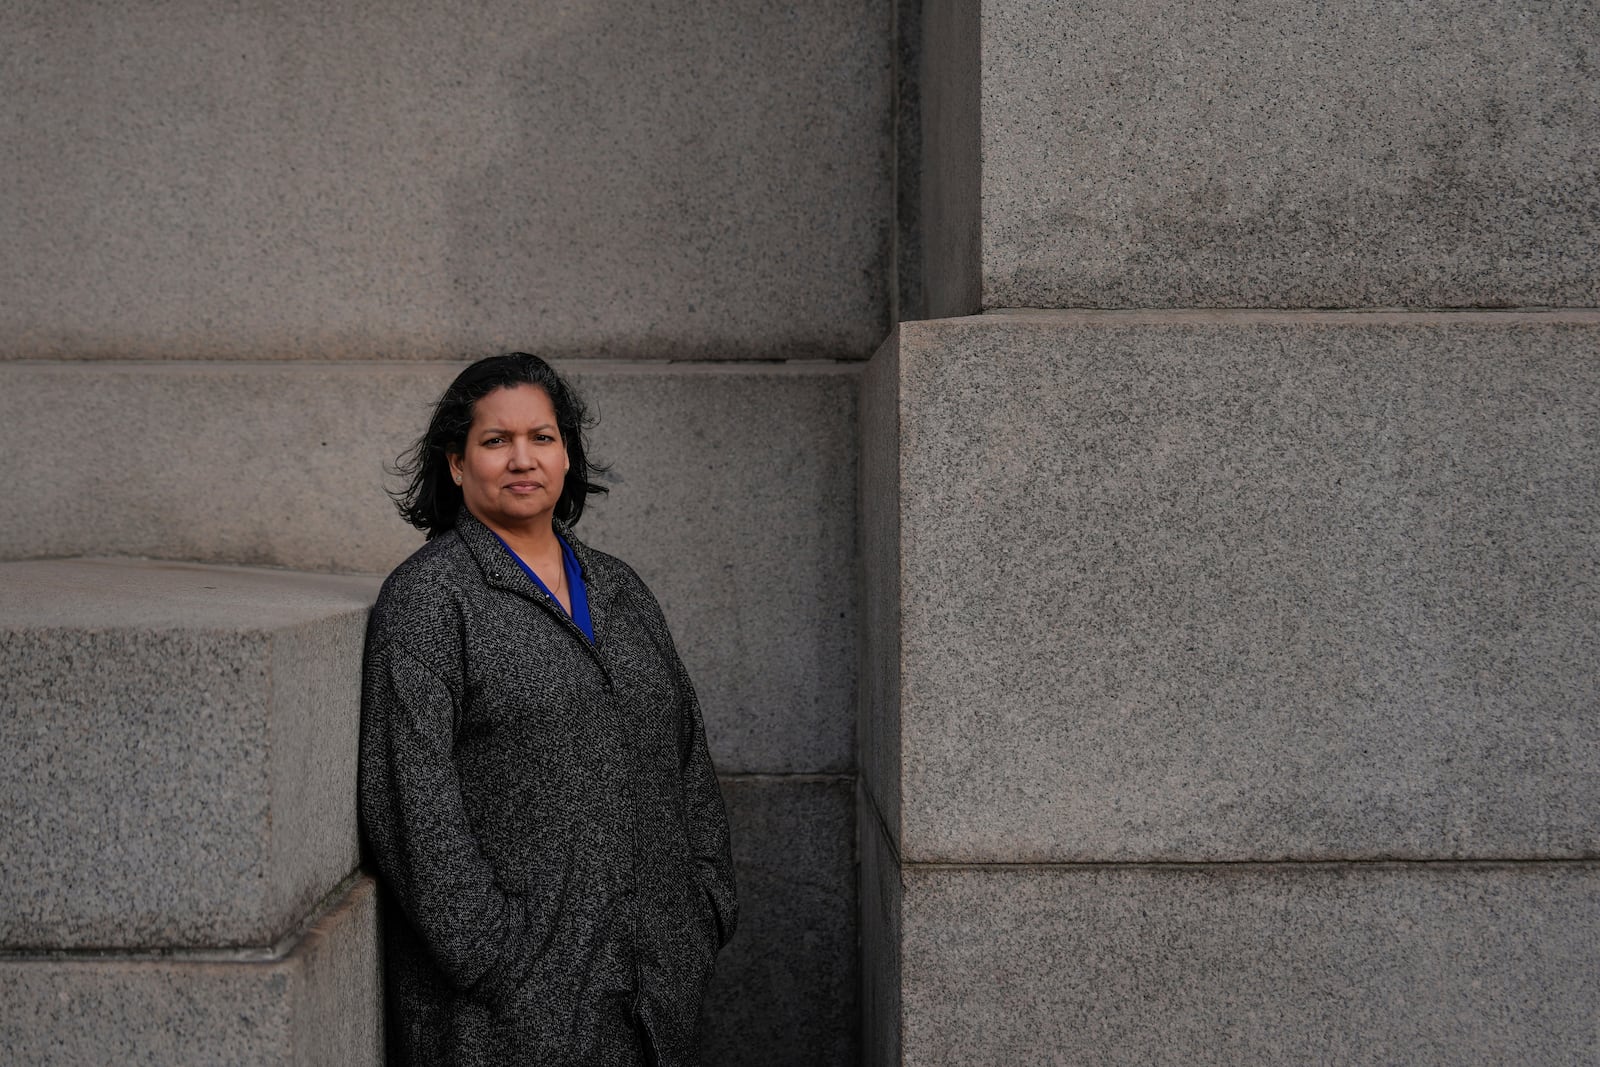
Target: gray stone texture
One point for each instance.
(950, 171)
(315, 1004)
(733, 494)
(1368, 965)
(908, 255)
(1371, 153)
(181, 745)
(784, 993)
(1244, 587)
(416, 180)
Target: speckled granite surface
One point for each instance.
(1349, 154)
(1212, 587)
(1450, 965)
(314, 1004)
(372, 181)
(181, 750)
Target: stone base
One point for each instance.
(1199, 964)
(784, 991)
(314, 1002)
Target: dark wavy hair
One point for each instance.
(431, 497)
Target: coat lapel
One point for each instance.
(602, 594)
(503, 572)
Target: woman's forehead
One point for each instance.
(520, 404)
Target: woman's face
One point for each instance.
(515, 462)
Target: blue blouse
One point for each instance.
(575, 587)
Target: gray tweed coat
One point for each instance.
(542, 813)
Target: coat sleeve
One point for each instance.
(707, 815)
(418, 834)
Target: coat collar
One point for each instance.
(501, 571)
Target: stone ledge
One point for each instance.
(182, 745)
(1356, 317)
(318, 1003)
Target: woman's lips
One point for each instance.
(523, 487)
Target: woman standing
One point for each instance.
(536, 792)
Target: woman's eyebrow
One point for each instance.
(502, 429)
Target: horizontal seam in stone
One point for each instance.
(1070, 865)
(274, 953)
(1577, 315)
(266, 569)
(577, 368)
(796, 778)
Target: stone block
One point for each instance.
(1365, 154)
(371, 180)
(1366, 965)
(316, 1001)
(784, 993)
(181, 750)
(733, 492)
(1242, 587)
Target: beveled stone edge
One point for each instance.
(333, 908)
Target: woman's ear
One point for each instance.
(454, 459)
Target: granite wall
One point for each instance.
(1228, 540)
(248, 246)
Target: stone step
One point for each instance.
(181, 750)
(311, 1000)
(1215, 965)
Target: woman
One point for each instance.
(536, 792)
